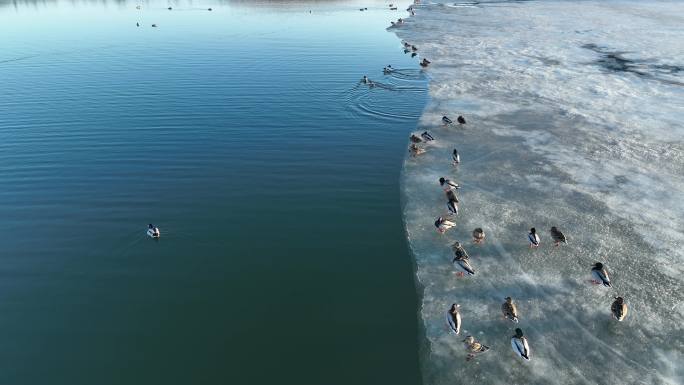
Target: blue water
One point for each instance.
(244, 134)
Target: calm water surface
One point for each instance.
(243, 133)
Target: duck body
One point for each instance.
(558, 236)
(510, 311)
(454, 320)
(521, 347)
(153, 232)
(619, 310)
(600, 275)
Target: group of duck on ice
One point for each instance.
(461, 258)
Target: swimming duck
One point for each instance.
(461, 120)
(446, 120)
(153, 231)
(558, 236)
(456, 157)
(209, 9)
(478, 235)
(424, 63)
(600, 275)
(533, 237)
(619, 309)
(169, 8)
(509, 310)
(453, 317)
(520, 345)
(415, 139)
(154, 25)
(473, 347)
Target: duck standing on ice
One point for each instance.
(454, 318)
(478, 236)
(619, 309)
(600, 275)
(443, 225)
(448, 185)
(557, 236)
(509, 310)
(520, 345)
(473, 347)
(533, 237)
(452, 203)
(460, 260)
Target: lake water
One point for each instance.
(244, 134)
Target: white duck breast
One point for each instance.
(534, 238)
(601, 276)
(465, 266)
(520, 347)
(454, 321)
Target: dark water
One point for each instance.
(244, 135)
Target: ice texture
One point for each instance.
(575, 116)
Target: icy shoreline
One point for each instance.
(574, 120)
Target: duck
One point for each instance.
(453, 317)
(533, 237)
(415, 150)
(443, 225)
(520, 345)
(473, 347)
(478, 235)
(557, 236)
(425, 63)
(461, 120)
(452, 204)
(460, 260)
(619, 309)
(509, 310)
(600, 274)
(456, 157)
(426, 136)
(448, 185)
(153, 231)
(446, 120)
(154, 25)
